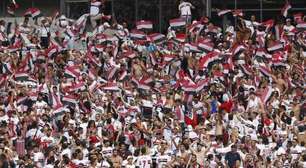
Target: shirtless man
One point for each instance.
(116, 159)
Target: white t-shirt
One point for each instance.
(185, 8)
(107, 151)
(144, 161)
(95, 8)
(162, 160)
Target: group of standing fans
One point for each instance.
(98, 95)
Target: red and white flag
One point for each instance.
(180, 37)
(277, 45)
(70, 100)
(207, 46)
(93, 59)
(157, 38)
(268, 24)
(266, 94)
(192, 47)
(285, 9)
(301, 25)
(237, 12)
(110, 86)
(137, 35)
(298, 17)
(72, 72)
(265, 71)
(143, 24)
(177, 23)
(12, 7)
(52, 50)
(223, 12)
(237, 49)
(208, 58)
(129, 54)
(33, 12)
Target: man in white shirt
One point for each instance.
(185, 10)
(144, 161)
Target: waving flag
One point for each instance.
(192, 47)
(93, 59)
(285, 9)
(70, 100)
(12, 7)
(110, 86)
(208, 58)
(301, 25)
(52, 50)
(268, 24)
(277, 45)
(223, 12)
(207, 46)
(197, 25)
(180, 37)
(265, 71)
(137, 35)
(33, 12)
(237, 12)
(157, 38)
(143, 24)
(298, 17)
(266, 94)
(177, 23)
(72, 72)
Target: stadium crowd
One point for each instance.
(198, 97)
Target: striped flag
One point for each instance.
(298, 17)
(265, 96)
(180, 37)
(195, 87)
(21, 76)
(70, 100)
(192, 47)
(223, 12)
(177, 23)
(137, 35)
(33, 12)
(40, 57)
(237, 49)
(261, 52)
(143, 24)
(12, 7)
(72, 72)
(93, 59)
(169, 57)
(206, 46)
(92, 74)
(196, 26)
(78, 86)
(208, 58)
(268, 24)
(21, 100)
(157, 38)
(246, 69)
(265, 71)
(111, 72)
(52, 50)
(285, 9)
(110, 86)
(7, 68)
(277, 45)
(278, 59)
(237, 12)
(129, 54)
(301, 25)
